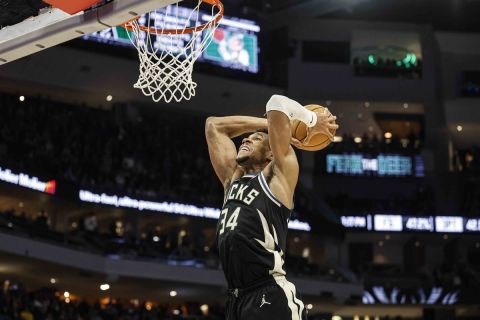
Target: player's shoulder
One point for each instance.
(277, 186)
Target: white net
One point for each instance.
(167, 59)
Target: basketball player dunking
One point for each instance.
(259, 183)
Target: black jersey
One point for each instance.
(252, 232)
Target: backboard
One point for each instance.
(54, 26)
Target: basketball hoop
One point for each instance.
(168, 48)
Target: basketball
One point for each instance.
(299, 132)
(218, 35)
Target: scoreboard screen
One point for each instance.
(234, 44)
(233, 49)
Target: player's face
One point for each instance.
(254, 150)
(235, 44)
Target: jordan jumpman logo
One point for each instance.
(264, 301)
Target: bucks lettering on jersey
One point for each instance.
(251, 232)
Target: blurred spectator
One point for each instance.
(467, 160)
(90, 223)
(42, 220)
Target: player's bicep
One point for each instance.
(222, 153)
(280, 135)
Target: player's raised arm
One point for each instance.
(280, 137)
(219, 132)
(280, 110)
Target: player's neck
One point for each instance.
(253, 170)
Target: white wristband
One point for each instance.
(293, 109)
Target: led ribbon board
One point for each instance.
(402, 223)
(382, 165)
(34, 183)
(27, 181)
(167, 207)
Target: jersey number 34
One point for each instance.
(232, 221)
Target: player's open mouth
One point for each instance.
(245, 148)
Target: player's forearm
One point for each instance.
(234, 126)
(292, 109)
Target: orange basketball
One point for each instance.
(299, 131)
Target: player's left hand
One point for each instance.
(296, 142)
(325, 123)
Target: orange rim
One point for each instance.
(152, 30)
